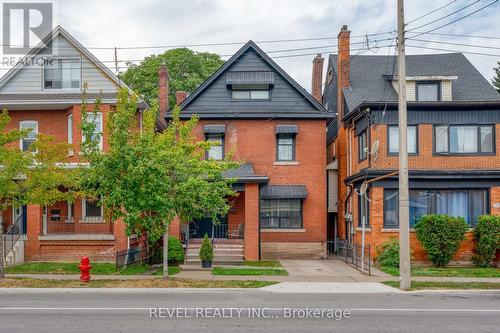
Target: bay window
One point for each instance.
(469, 204)
(412, 140)
(464, 139)
(281, 213)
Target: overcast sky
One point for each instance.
(121, 23)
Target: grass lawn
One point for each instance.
(262, 263)
(248, 271)
(476, 272)
(98, 268)
(149, 283)
(419, 285)
(172, 270)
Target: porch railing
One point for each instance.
(351, 253)
(14, 232)
(219, 230)
(132, 256)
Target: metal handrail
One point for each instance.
(12, 235)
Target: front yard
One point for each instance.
(472, 272)
(147, 283)
(98, 268)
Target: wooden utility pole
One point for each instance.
(404, 214)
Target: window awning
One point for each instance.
(250, 77)
(287, 129)
(283, 192)
(214, 129)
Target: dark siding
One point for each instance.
(216, 99)
(440, 117)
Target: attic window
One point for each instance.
(428, 91)
(250, 92)
(62, 74)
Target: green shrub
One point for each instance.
(388, 253)
(440, 236)
(487, 236)
(175, 251)
(206, 250)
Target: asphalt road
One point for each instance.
(42, 311)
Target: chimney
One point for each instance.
(163, 89)
(317, 77)
(180, 96)
(343, 67)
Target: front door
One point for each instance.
(20, 212)
(198, 228)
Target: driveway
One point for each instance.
(333, 270)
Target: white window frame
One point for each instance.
(70, 218)
(86, 219)
(21, 127)
(70, 133)
(56, 90)
(99, 114)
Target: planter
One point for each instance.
(206, 264)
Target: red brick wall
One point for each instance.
(254, 141)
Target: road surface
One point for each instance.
(243, 311)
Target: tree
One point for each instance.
(187, 70)
(496, 79)
(36, 176)
(147, 178)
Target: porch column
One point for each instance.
(34, 230)
(251, 237)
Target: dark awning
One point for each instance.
(245, 174)
(214, 129)
(283, 192)
(287, 129)
(257, 77)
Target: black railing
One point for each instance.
(14, 232)
(132, 256)
(219, 230)
(351, 254)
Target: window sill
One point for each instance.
(77, 237)
(394, 230)
(286, 163)
(92, 221)
(283, 230)
(366, 229)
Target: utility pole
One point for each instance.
(404, 214)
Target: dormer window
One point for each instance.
(250, 85)
(62, 74)
(428, 91)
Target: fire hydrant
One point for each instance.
(85, 267)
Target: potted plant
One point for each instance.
(206, 253)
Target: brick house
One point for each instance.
(453, 142)
(46, 98)
(259, 113)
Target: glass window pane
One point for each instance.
(285, 153)
(260, 94)
(391, 219)
(216, 152)
(412, 139)
(420, 205)
(281, 213)
(92, 209)
(453, 203)
(241, 94)
(463, 139)
(27, 141)
(70, 129)
(441, 139)
(428, 91)
(486, 139)
(479, 204)
(393, 139)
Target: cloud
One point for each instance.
(121, 23)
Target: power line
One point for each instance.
(457, 35)
(456, 20)
(431, 12)
(443, 17)
(455, 51)
(457, 44)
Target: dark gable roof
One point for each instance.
(288, 98)
(370, 78)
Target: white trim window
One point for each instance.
(96, 118)
(70, 133)
(62, 74)
(71, 207)
(92, 211)
(32, 126)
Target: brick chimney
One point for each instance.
(343, 67)
(163, 89)
(180, 96)
(317, 77)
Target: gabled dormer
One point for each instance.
(427, 88)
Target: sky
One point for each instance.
(125, 23)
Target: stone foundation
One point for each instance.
(292, 250)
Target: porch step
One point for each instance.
(226, 251)
(16, 254)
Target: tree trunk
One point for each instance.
(165, 254)
(1, 246)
